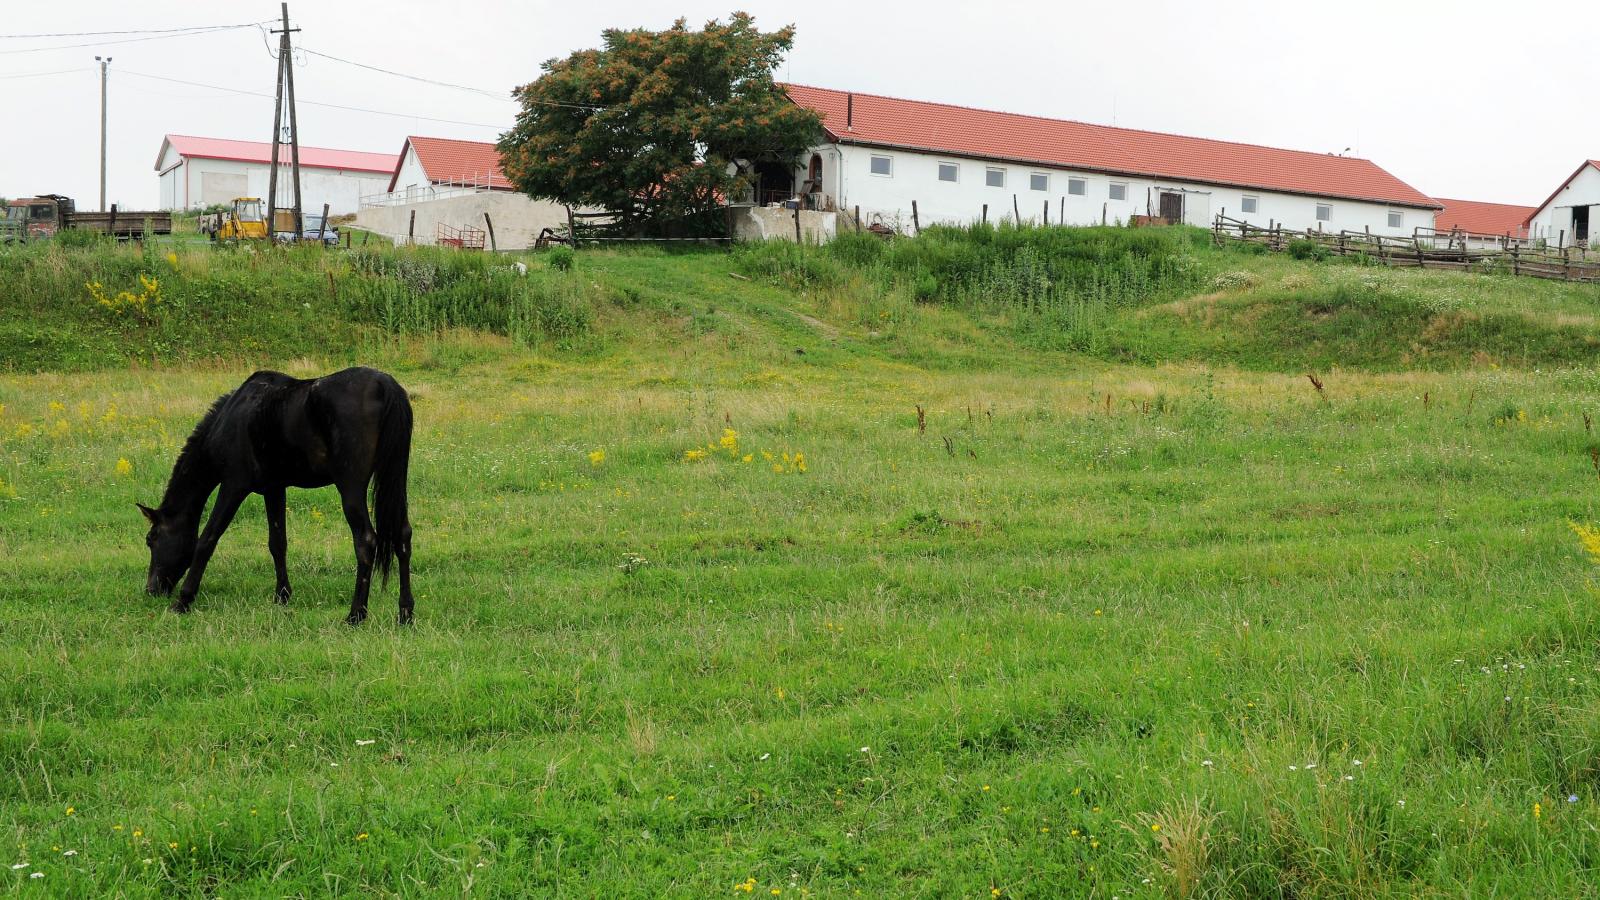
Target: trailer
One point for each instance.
(42, 217)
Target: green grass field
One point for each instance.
(704, 612)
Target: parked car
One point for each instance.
(312, 228)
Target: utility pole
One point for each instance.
(104, 63)
(285, 82)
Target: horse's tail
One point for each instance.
(389, 488)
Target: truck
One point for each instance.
(42, 217)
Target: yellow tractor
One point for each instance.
(243, 222)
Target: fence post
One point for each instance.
(1047, 213)
(411, 229)
(572, 228)
(985, 219)
(1516, 261)
(322, 238)
(916, 222)
(1016, 211)
(858, 217)
(489, 223)
(797, 239)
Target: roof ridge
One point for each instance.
(1036, 116)
(269, 143)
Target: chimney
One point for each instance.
(849, 111)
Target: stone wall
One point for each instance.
(761, 223)
(518, 219)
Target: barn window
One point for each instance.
(1324, 212)
(1119, 190)
(1249, 204)
(1396, 220)
(994, 177)
(883, 165)
(1077, 187)
(1039, 181)
(949, 171)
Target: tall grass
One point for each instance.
(1057, 284)
(219, 302)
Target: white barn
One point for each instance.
(883, 153)
(1568, 218)
(442, 185)
(196, 172)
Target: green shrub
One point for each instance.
(560, 258)
(1307, 249)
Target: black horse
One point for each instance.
(275, 432)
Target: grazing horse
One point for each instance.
(274, 432)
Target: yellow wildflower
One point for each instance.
(172, 260)
(1537, 812)
(777, 467)
(362, 836)
(729, 440)
(1589, 536)
(72, 810)
(747, 456)
(596, 457)
(1155, 826)
(799, 462)
(692, 455)
(124, 467)
(172, 845)
(24, 429)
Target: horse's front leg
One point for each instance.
(228, 499)
(354, 497)
(278, 540)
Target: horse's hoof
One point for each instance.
(181, 607)
(405, 615)
(282, 595)
(356, 618)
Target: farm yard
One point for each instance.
(988, 563)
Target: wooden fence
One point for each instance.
(1425, 249)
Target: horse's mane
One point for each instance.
(184, 469)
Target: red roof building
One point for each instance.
(200, 171)
(1116, 171)
(1477, 217)
(446, 161)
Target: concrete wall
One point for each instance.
(518, 219)
(847, 176)
(760, 223)
(1555, 217)
(198, 182)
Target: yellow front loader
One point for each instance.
(244, 222)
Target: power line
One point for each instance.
(459, 87)
(42, 74)
(209, 29)
(62, 34)
(377, 112)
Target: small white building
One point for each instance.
(441, 186)
(197, 172)
(883, 153)
(1568, 218)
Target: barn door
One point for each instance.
(1171, 206)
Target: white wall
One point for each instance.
(185, 186)
(518, 219)
(1555, 217)
(848, 178)
(412, 177)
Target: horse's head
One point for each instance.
(171, 550)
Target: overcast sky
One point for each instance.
(1468, 100)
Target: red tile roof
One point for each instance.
(261, 151)
(1579, 171)
(1482, 218)
(963, 131)
(449, 160)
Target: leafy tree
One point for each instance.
(658, 126)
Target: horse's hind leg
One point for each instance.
(354, 497)
(402, 554)
(277, 540)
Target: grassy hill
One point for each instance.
(1016, 562)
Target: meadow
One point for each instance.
(1007, 565)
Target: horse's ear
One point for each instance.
(148, 512)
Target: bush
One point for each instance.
(1306, 249)
(561, 258)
